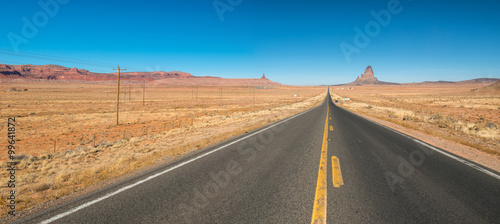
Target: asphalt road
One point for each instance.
(273, 174)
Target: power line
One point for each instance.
(51, 59)
(14, 62)
(76, 61)
(57, 58)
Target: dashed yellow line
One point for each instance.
(337, 174)
(319, 210)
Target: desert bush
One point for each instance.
(41, 187)
(491, 125)
(45, 156)
(105, 143)
(408, 117)
(392, 115)
(447, 122)
(436, 117)
(63, 177)
(478, 126)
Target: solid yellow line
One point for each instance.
(319, 210)
(337, 174)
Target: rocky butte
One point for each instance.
(369, 78)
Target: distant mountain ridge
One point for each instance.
(368, 78)
(492, 88)
(56, 72)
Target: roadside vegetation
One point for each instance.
(450, 112)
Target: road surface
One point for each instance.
(311, 167)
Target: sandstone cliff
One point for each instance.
(60, 73)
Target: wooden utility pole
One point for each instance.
(118, 95)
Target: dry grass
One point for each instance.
(173, 122)
(450, 112)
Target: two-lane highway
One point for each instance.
(323, 165)
(392, 178)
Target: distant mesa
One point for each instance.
(368, 78)
(173, 78)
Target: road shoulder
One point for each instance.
(485, 159)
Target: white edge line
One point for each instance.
(459, 159)
(435, 149)
(160, 173)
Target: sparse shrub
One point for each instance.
(32, 158)
(63, 177)
(45, 156)
(448, 122)
(81, 149)
(478, 127)
(407, 117)
(436, 117)
(491, 125)
(41, 187)
(105, 143)
(392, 115)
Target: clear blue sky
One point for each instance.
(293, 42)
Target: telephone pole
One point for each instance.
(118, 94)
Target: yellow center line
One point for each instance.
(319, 210)
(337, 174)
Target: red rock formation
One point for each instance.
(369, 78)
(368, 73)
(56, 72)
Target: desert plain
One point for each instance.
(67, 139)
